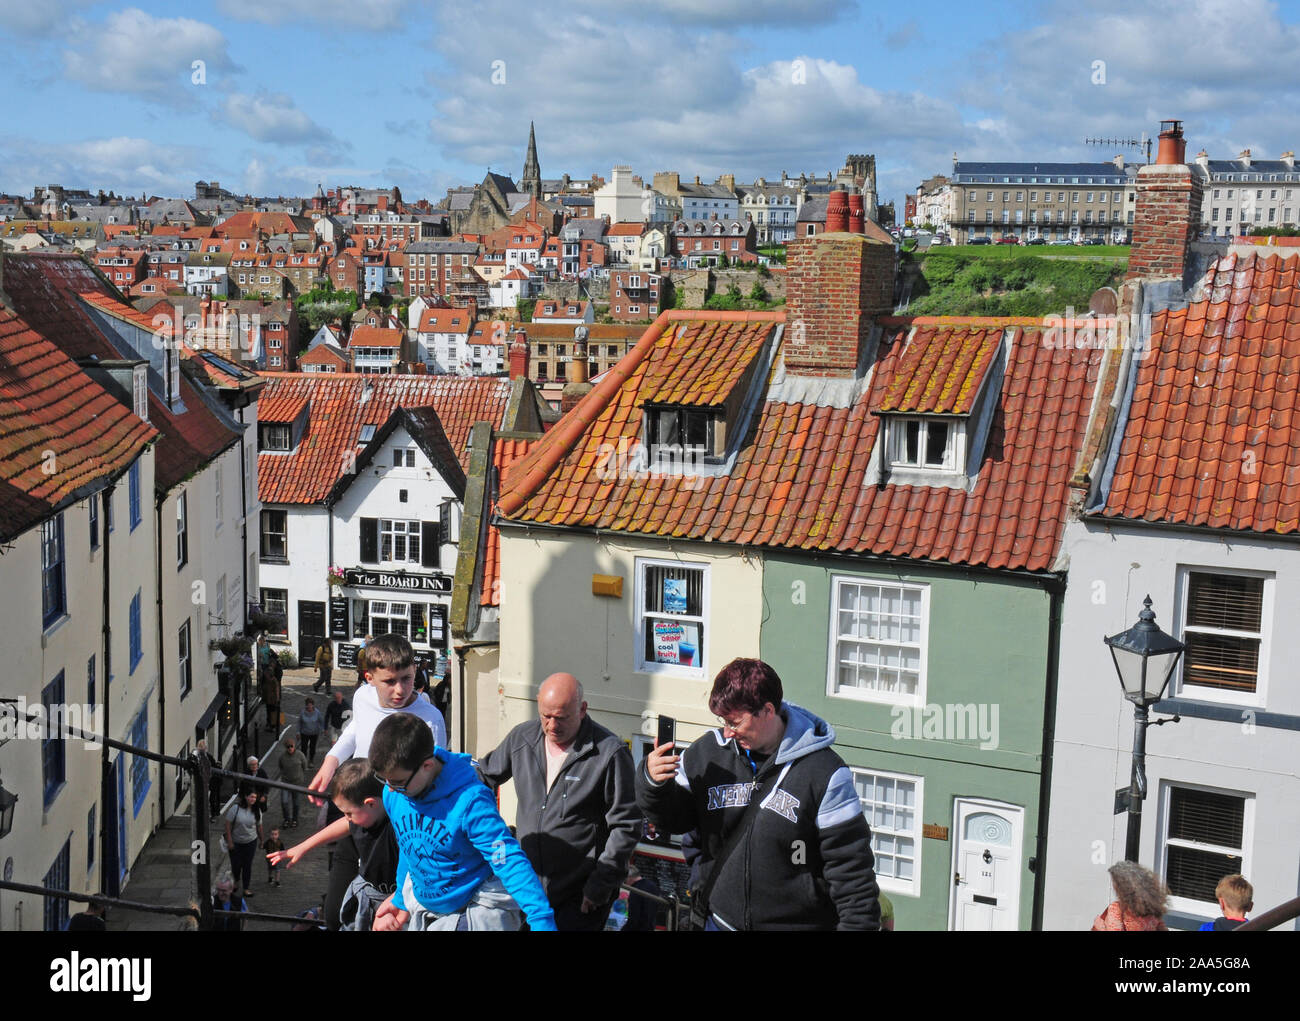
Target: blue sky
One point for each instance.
(373, 92)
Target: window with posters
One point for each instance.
(671, 597)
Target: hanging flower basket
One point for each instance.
(334, 577)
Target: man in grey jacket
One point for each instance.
(577, 818)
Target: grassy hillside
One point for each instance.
(996, 282)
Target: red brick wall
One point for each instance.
(1165, 222)
(835, 283)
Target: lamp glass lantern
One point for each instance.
(1145, 658)
(7, 803)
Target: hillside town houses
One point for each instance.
(539, 425)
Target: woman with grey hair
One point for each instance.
(1140, 901)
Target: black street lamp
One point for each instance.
(7, 802)
(1145, 659)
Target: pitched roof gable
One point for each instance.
(801, 479)
(1210, 438)
(338, 411)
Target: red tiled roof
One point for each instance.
(505, 453)
(52, 292)
(47, 404)
(561, 309)
(799, 480)
(337, 414)
(446, 320)
(324, 355)
(375, 336)
(941, 370)
(1211, 437)
(700, 362)
(634, 230)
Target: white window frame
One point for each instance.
(185, 658)
(640, 665)
(833, 687)
(1207, 909)
(388, 527)
(906, 887)
(1259, 696)
(954, 451)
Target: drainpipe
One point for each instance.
(162, 677)
(1056, 594)
(105, 767)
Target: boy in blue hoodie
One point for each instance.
(458, 865)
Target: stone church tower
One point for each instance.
(531, 182)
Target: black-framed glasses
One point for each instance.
(400, 788)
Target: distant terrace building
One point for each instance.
(1056, 201)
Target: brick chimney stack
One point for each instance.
(520, 355)
(577, 387)
(1168, 211)
(835, 284)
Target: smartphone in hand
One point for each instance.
(667, 731)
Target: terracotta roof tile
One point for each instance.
(1213, 448)
(797, 482)
(336, 412)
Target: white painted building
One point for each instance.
(622, 199)
(1192, 505)
(330, 450)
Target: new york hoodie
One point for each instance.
(805, 861)
(452, 839)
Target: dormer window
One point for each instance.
(276, 437)
(678, 435)
(926, 443)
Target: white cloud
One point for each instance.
(378, 15)
(123, 164)
(23, 17)
(272, 117)
(734, 13)
(136, 53)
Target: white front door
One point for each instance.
(987, 837)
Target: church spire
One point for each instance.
(532, 178)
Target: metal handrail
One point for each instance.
(1272, 918)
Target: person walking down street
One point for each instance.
(336, 717)
(243, 834)
(1141, 900)
(214, 782)
(271, 692)
(311, 721)
(263, 657)
(293, 769)
(325, 664)
(254, 769)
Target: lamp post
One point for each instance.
(1145, 659)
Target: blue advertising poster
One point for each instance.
(674, 595)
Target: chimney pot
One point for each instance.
(837, 212)
(1173, 147)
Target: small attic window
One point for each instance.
(926, 443)
(676, 434)
(367, 434)
(276, 437)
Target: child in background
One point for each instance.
(1234, 895)
(357, 794)
(272, 845)
(459, 867)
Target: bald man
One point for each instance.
(577, 818)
